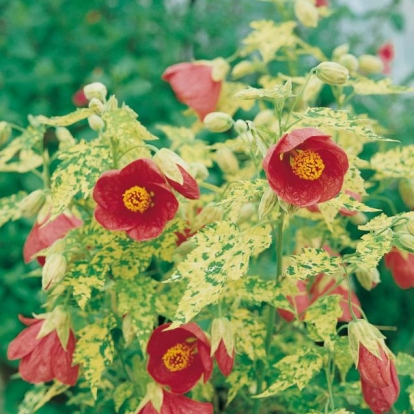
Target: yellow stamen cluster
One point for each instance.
(307, 165)
(178, 357)
(137, 199)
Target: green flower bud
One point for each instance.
(332, 73)
(312, 89)
(306, 13)
(95, 90)
(227, 161)
(5, 132)
(410, 227)
(250, 94)
(243, 68)
(32, 203)
(95, 122)
(406, 190)
(370, 64)
(240, 126)
(349, 61)
(218, 121)
(97, 106)
(340, 50)
(199, 171)
(404, 241)
(267, 203)
(53, 271)
(246, 213)
(368, 278)
(358, 219)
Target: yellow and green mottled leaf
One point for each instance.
(121, 393)
(342, 356)
(405, 364)
(66, 120)
(395, 163)
(222, 253)
(311, 262)
(337, 120)
(366, 86)
(250, 334)
(322, 316)
(383, 222)
(227, 103)
(95, 350)
(268, 38)
(297, 370)
(240, 377)
(78, 172)
(136, 298)
(9, 207)
(410, 391)
(196, 151)
(177, 135)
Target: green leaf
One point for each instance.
(322, 317)
(121, 393)
(383, 222)
(405, 364)
(342, 357)
(79, 170)
(311, 262)
(95, 350)
(227, 103)
(240, 377)
(222, 252)
(9, 207)
(177, 135)
(366, 86)
(297, 370)
(395, 163)
(66, 120)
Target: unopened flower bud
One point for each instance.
(240, 126)
(199, 171)
(32, 203)
(358, 219)
(95, 90)
(410, 227)
(370, 64)
(249, 94)
(97, 106)
(405, 242)
(332, 73)
(95, 122)
(208, 215)
(5, 132)
(312, 89)
(246, 213)
(340, 50)
(349, 61)
(306, 13)
(406, 190)
(65, 138)
(243, 68)
(53, 271)
(168, 161)
(220, 69)
(222, 344)
(227, 161)
(368, 278)
(218, 121)
(267, 203)
(129, 331)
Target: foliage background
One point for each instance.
(51, 48)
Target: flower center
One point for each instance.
(178, 357)
(307, 165)
(137, 199)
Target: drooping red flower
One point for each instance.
(177, 404)
(136, 199)
(374, 370)
(189, 188)
(386, 53)
(223, 344)
(180, 357)
(305, 167)
(322, 3)
(43, 359)
(194, 86)
(300, 302)
(380, 400)
(44, 235)
(323, 285)
(401, 265)
(79, 98)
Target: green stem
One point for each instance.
(329, 382)
(46, 172)
(271, 316)
(351, 309)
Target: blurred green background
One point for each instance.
(51, 48)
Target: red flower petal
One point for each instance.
(193, 85)
(225, 362)
(62, 362)
(301, 302)
(374, 370)
(189, 189)
(26, 341)
(401, 265)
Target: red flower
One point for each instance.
(374, 370)
(321, 3)
(342, 211)
(380, 400)
(386, 53)
(305, 167)
(136, 199)
(323, 285)
(42, 236)
(79, 98)
(300, 302)
(193, 85)
(222, 344)
(43, 359)
(189, 188)
(177, 404)
(180, 357)
(401, 265)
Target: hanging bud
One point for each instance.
(97, 106)
(222, 344)
(332, 73)
(410, 227)
(32, 203)
(5, 132)
(339, 51)
(199, 171)
(404, 241)
(312, 89)
(243, 68)
(129, 331)
(53, 271)
(220, 69)
(250, 94)
(246, 213)
(401, 264)
(306, 13)
(349, 61)
(218, 121)
(65, 138)
(406, 190)
(95, 90)
(370, 64)
(267, 203)
(168, 161)
(208, 215)
(240, 126)
(358, 219)
(368, 278)
(95, 122)
(227, 161)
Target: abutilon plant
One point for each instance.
(187, 268)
